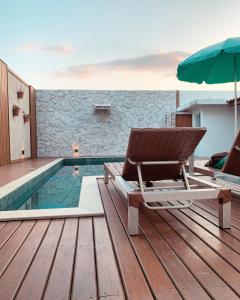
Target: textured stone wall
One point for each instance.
(66, 117)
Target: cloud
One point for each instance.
(162, 62)
(59, 49)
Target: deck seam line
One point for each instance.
(209, 231)
(16, 250)
(9, 236)
(54, 256)
(138, 258)
(114, 249)
(207, 244)
(201, 255)
(199, 207)
(74, 260)
(95, 258)
(180, 256)
(32, 259)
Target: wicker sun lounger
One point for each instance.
(160, 156)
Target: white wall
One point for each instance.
(219, 121)
(19, 131)
(66, 117)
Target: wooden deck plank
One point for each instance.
(212, 214)
(213, 284)
(15, 273)
(84, 281)
(7, 231)
(109, 281)
(14, 171)
(223, 236)
(161, 284)
(2, 224)
(222, 249)
(38, 272)
(227, 272)
(131, 272)
(59, 283)
(10, 248)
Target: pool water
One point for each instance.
(61, 190)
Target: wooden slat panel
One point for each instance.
(33, 121)
(38, 272)
(59, 284)
(131, 272)
(158, 278)
(13, 276)
(84, 281)
(4, 117)
(109, 282)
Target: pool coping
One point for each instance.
(90, 193)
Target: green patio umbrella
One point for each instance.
(219, 63)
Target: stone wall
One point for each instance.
(66, 117)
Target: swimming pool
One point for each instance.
(58, 188)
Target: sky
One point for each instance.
(111, 44)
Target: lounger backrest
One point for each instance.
(232, 164)
(161, 144)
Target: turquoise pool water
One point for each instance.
(56, 188)
(62, 189)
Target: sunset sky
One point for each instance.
(111, 44)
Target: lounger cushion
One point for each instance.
(160, 144)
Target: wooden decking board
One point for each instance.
(38, 273)
(12, 278)
(158, 278)
(223, 236)
(227, 272)
(2, 224)
(224, 251)
(109, 281)
(136, 286)
(178, 254)
(12, 246)
(213, 284)
(59, 283)
(211, 213)
(7, 231)
(84, 279)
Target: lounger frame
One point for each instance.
(185, 190)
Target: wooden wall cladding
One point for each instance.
(4, 117)
(183, 120)
(33, 121)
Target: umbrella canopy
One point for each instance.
(219, 63)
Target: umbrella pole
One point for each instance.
(235, 98)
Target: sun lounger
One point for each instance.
(160, 156)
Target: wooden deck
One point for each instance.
(180, 254)
(14, 171)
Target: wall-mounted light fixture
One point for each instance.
(22, 152)
(75, 150)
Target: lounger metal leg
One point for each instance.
(106, 178)
(224, 213)
(133, 219)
